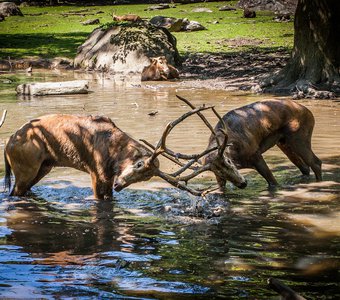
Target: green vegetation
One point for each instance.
(57, 31)
(115, 23)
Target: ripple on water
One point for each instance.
(132, 257)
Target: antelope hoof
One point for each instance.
(243, 185)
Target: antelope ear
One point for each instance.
(151, 160)
(136, 150)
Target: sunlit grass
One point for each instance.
(54, 34)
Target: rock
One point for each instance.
(282, 17)
(120, 2)
(9, 9)
(202, 9)
(172, 24)
(61, 63)
(194, 26)
(159, 7)
(24, 4)
(37, 14)
(282, 6)
(6, 81)
(248, 13)
(91, 22)
(226, 8)
(167, 208)
(175, 25)
(125, 49)
(53, 88)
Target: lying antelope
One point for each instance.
(128, 18)
(253, 129)
(159, 69)
(97, 146)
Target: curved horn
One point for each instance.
(161, 145)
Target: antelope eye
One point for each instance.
(140, 164)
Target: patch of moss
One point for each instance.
(109, 25)
(142, 37)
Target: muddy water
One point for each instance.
(154, 242)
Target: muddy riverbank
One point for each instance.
(231, 71)
(224, 71)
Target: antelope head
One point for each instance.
(217, 163)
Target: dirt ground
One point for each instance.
(231, 71)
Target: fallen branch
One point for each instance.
(3, 117)
(53, 88)
(285, 292)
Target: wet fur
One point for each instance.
(257, 127)
(87, 143)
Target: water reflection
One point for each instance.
(70, 251)
(158, 243)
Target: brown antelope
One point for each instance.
(128, 18)
(253, 129)
(159, 69)
(94, 145)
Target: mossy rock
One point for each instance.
(126, 48)
(8, 9)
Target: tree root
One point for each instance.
(305, 89)
(299, 89)
(285, 292)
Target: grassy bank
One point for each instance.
(57, 31)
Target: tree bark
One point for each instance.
(315, 58)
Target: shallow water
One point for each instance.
(154, 242)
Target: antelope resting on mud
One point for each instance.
(97, 146)
(253, 129)
(159, 69)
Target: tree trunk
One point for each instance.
(315, 59)
(53, 88)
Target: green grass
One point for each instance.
(52, 34)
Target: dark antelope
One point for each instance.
(253, 129)
(94, 145)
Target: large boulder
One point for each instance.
(193, 26)
(8, 9)
(278, 6)
(175, 25)
(172, 24)
(126, 48)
